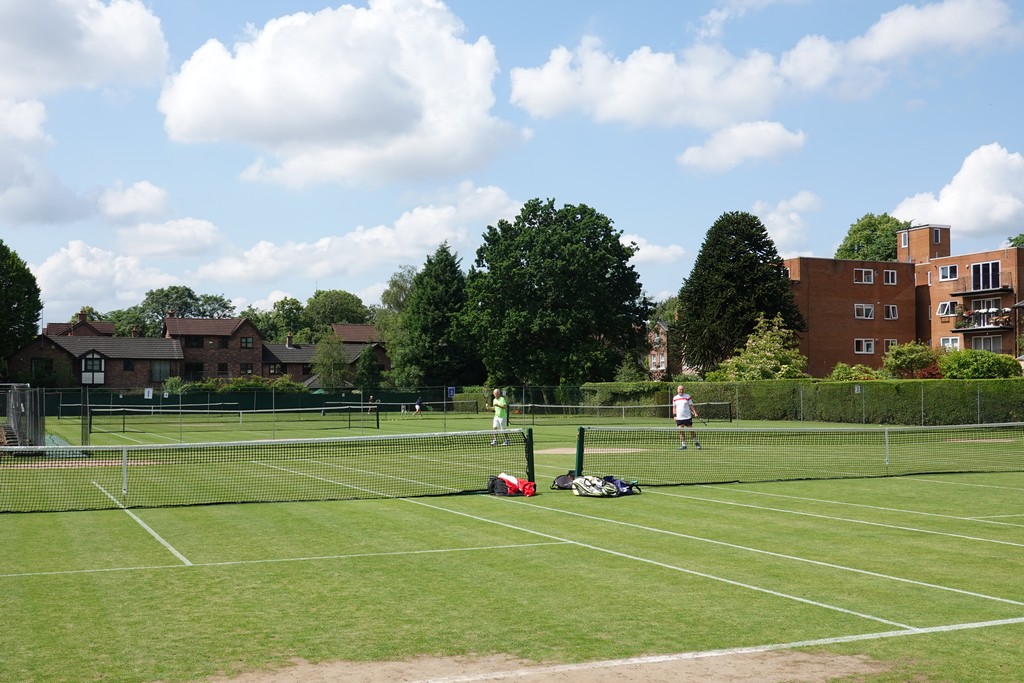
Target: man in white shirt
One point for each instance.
(684, 412)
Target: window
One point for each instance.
(985, 275)
(160, 371)
(904, 238)
(222, 369)
(245, 368)
(889, 277)
(864, 311)
(274, 368)
(129, 365)
(863, 346)
(994, 344)
(92, 364)
(950, 343)
(222, 342)
(891, 312)
(193, 371)
(947, 273)
(246, 342)
(888, 344)
(980, 305)
(863, 276)
(946, 308)
(42, 367)
(193, 342)
(307, 369)
(937, 236)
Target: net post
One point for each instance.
(376, 417)
(530, 474)
(579, 451)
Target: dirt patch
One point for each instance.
(758, 667)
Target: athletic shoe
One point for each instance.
(494, 443)
(505, 443)
(682, 447)
(698, 445)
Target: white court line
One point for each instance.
(509, 546)
(658, 659)
(144, 525)
(964, 483)
(984, 519)
(770, 553)
(987, 517)
(844, 519)
(663, 565)
(645, 560)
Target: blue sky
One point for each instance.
(270, 148)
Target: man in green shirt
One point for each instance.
(500, 422)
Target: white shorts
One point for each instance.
(500, 422)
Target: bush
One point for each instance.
(978, 364)
(846, 373)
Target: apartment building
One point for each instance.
(857, 310)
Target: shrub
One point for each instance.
(978, 364)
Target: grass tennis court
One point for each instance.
(919, 575)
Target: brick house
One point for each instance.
(89, 360)
(216, 347)
(856, 310)
(80, 328)
(356, 337)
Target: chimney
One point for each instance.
(81, 316)
(288, 343)
(135, 330)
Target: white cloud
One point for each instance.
(413, 235)
(181, 237)
(704, 86)
(733, 146)
(653, 253)
(139, 199)
(785, 220)
(79, 274)
(346, 94)
(51, 45)
(984, 199)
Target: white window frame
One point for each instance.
(892, 312)
(950, 343)
(985, 275)
(936, 236)
(888, 344)
(889, 277)
(864, 347)
(864, 311)
(946, 309)
(863, 276)
(948, 272)
(904, 239)
(991, 343)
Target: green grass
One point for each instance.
(554, 578)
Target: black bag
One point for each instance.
(564, 481)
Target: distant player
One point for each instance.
(500, 422)
(684, 412)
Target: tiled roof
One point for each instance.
(282, 353)
(101, 327)
(356, 334)
(140, 348)
(209, 327)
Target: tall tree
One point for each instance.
(330, 362)
(737, 277)
(329, 306)
(368, 372)
(20, 304)
(871, 238)
(1017, 240)
(772, 352)
(430, 328)
(553, 298)
(180, 301)
(387, 320)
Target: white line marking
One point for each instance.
(770, 553)
(868, 507)
(963, 483)
(843, 519)
(663, 565)
(144, 525)
(657, 659)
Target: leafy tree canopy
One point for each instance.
(665, 311)
(430, 331)
(553, 298)
(737, 278)
(904, 361)
(771, 352)
(178, 301)
(329, 306)
(330, 362)
(871, 238)
(20, 303)
(1017, 241)
(368, 373)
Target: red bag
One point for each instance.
(529, 488)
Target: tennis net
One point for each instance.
(222, 418)
(652, 456)
(396, 466)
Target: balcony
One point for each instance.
(995, 284)
(985, 320)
